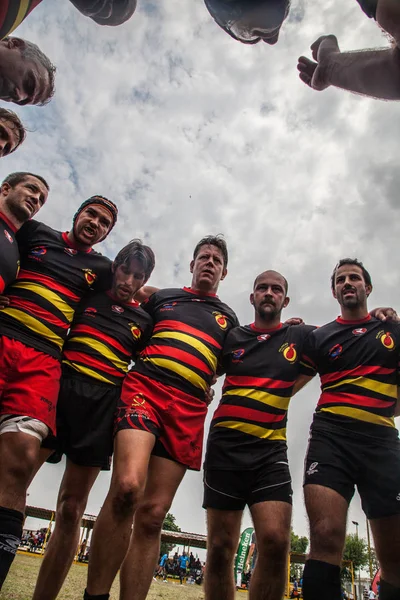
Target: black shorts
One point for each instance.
(340, 460)
(232, 490)
(369, 7)
(85, 421)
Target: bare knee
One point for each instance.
(327, 536)
(125, 498)
(70, 510)
(221, 550)
(150, 518)
(19, 468)
(273, 545)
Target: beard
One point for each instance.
(268, 311)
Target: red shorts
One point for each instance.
(175, 418)
(29, 382)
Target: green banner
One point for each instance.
(242, 552)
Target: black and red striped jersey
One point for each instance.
(188, 336)
(105, 336)
(53, 279)
(261, 369)
(358, 364)
(12, 13)
(9, 251)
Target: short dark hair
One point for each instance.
(31, 51)
(213, 240)
(280, 275)
(136, 250)
(12, 117)
(14, 179)
(351, 261)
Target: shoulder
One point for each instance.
(369, 7)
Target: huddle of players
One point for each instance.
(185, 336)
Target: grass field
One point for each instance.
(21, 582)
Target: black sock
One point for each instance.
(88, 596)
(10, 538)
(321, 580)
(387, 591)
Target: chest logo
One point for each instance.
(38, 251)
(221, 319)
(289, 352)
(169, 306)
(359, 331)
(135, 331)
(263, 337)
(90, 276)
(237, 355)
(386, 340)
(335, 351)
(90, 311)
(8, 236)
(117, 309)
(70, 251)
(138, 400)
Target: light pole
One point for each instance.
(356, 524)
(359, 576)
(369, 551)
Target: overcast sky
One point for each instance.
(192, 133)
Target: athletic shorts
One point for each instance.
(369, 7)
(175, 418)
(232, 490)
(29, 382)
(85, 421)
(341, 461)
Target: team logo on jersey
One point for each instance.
(237, 355)
(312, 469)
(8, 236)
(135, 331)
(39, 251)
(90, 311)
(117, 309)
(197, 300)
(289, 352)
(335, 351)
(70, 251)
(386, 339)
(138, 400)
(263, 337)
(90, 276)
(359, 331)
(221, 319)
(169, 306)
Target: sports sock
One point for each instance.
(387, 591)
(88, 596)
(321, 580)
(10, 538)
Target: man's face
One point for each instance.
(351, 291)
(21, 81)
(92, 225)
(269, 295)
(9, 137)
(26, 198)
(127, 280)
(208, 269)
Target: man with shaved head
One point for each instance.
(246, 460)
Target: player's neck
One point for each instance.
(10, 216)
(260, 323)
(76, 244)
(354, 314)
(203, 289)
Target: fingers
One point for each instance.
(4, 302)
(329, 40)
(306, 68)
(294, 321)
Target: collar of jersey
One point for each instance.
(110, 295)
(7, 221)
(355, 322)
(198, 292)
(260, 330)
(67, 241)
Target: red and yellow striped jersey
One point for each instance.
(12, 13)
(261, 369)
(9, 253)
(105, 336)
(188, 336)
(358, 363)
(53, 279)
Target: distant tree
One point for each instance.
(297, 544)
(356, 550)
(170, 525)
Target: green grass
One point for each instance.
(20, 584)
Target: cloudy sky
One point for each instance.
(192, 133)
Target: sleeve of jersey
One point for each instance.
(308, 364)
(106, 12)
(24, 234)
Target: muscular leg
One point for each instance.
(272, 526)
(44, 454)
(386, 534)
(223, 531)
(112, 531)
(18, 455)
(163, 480)
(327, 513)
(72, 499)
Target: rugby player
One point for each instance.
(26, 74)
(160, 422)
(246, 460)
(108, 330)
(373, 73)
(21, 196)
(104, 12)
(353, 440)
(12, 132)
(57, 271)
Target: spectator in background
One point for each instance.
(183, 565)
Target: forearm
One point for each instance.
(373, 73)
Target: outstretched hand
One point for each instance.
(384, 313)
(316, 74)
